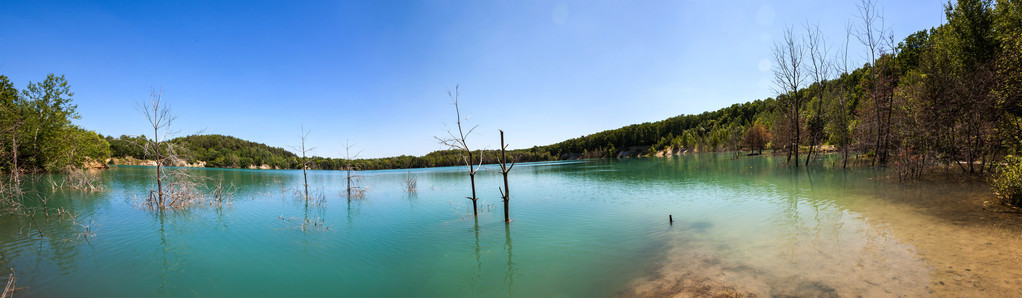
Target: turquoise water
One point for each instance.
(580, 229)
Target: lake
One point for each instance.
(591, 228)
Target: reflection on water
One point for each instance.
(509, 278)
(582, 228)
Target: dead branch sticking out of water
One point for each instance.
(306, 224)
(77, 179)
(182, 190)
(411, 183)
(80, 179)
(222, 194)
(505, 193)
(354, 190)
(11, 197)
(315, 199)
(9, 289)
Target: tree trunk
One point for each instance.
(159, 165)
(504, 170)
(507, 198)
(14, 150)
(810, 154)
(472, 178)
(844, 161)
(305, 178)
(798, 131)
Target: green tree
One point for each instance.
(49, 123)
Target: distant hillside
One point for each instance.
(216, 150)
(230, 152)
(710, 131)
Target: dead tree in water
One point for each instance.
(843, 98)
(305, 162)
(160, 118)
(872, 35)
(820, 71)
(504, 168)
(788, 78)
(352, 191)
(457, 142)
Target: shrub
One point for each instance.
(1008, 183)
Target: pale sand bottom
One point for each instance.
(910, 244)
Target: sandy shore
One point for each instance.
(914, 245)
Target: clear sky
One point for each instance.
(376, 72)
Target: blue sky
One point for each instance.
(376, 72)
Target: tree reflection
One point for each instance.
(509, 278)
(478, 256)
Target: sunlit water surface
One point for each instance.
(580, 229)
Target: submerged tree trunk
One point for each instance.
(159, 164)
(472, 178)
(305, 163)
(798, 130)
(504, 169)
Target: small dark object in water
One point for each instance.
(670, 218)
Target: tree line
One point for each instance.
(229, 152)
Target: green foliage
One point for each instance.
(88, 144)
(230, 152)
(1008, 30)
(37, 133)
(709, 130)
(441, 158)
(968, 37)
(1008, 183)
(128, 146)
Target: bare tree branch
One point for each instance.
(458, 142)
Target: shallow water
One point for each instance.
(580, 229)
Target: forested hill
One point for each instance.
(215, 150)
(711, 131)
(228, 151)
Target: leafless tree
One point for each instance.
(175, 188)
(873, 34)
(788, 78)
(457, 142)
(411, 182)
(504, 169)
(841, 104)
(820, 71)
(355, 191)
(159, 115)
(305, 162)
